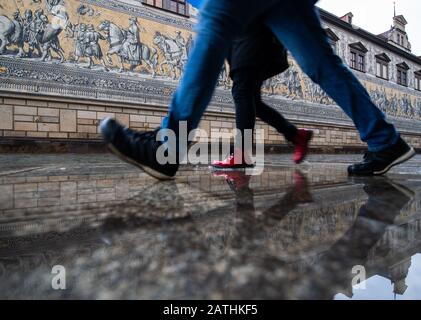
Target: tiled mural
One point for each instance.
(295, 85)
(78, 34)
(120, 42)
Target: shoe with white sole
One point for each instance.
(137, 148)
(378, 163)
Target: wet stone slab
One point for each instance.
(307, 232)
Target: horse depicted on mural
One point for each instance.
(174, 51)
(127, 46)
(11, 33)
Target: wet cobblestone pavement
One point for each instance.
(307, 232)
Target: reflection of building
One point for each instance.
(124, 58)
(123, 216)
(398, 275)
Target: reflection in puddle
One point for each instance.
(216, 235)
(380, 288)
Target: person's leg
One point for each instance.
(300, 138)
(244, 90)
(273, 118)
(220, 21)
(298, 27)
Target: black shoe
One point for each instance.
(137, 148)
(378, 163)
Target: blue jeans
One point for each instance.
(297, 25)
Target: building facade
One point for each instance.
(66, 64)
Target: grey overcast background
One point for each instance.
(376, 15)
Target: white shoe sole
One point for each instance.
(411, 153)
(150, 171)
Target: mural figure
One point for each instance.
(11, 33)
(406, 107)
(85, 10)
(86, 43)
(78, 33)
(29, 34)
(291, 80)
(26, 23)
(93, 49)
(50, 4)
(379, 97)
(131, 49)
(189, 44)
(127, 46)
(272, 85)
(394, 105)
(223, 79)
(175, 56)
(47, 35)
(317, 94)
(182, 44)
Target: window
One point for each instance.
(333, 39)
(361, 62)
(358, 52)
(358, 61)
(333, 45)
(176, 6)
(402, 74)
(418, 80)
(382, 66)
(402, 77)
(353, 60)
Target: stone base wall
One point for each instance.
(29, 118)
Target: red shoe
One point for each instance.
(229, 162)
(301, 142)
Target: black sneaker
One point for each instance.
(378, 163)
(137, 148)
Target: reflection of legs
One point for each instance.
(298, 27)
(385, 201)
(298, 193)
(239, 183)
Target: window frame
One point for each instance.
(166, 6)
(402, 78)
(333, 40)
(384, 61)
(357, 64)
(359, 51)
(417, 84)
